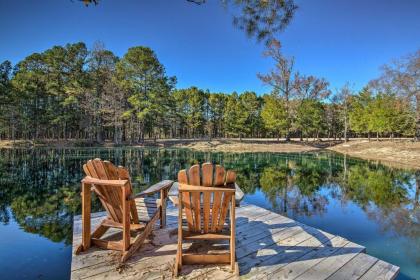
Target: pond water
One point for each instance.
(367, 203)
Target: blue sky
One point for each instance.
(340, 40)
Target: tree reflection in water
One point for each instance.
(40, 187)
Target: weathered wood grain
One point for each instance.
(268, 246)
(355, 268)
(381, 270)
(332, 263)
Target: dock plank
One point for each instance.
(355, 268)
(381, 270)
(269, 246)
(304, 261)
(329, 265)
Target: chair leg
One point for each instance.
(79, 249)
(97, 233)
(139, 240)
(86, 204)
(178, 263)
(232, 234)
(162, 209)
(178, 258)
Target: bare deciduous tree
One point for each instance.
(281, 79)
(402, 77)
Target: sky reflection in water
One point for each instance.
(370, 204)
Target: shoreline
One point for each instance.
(401, 153)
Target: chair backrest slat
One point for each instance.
(113, 194)
(217, 201)
(194, 179)
(206, 212)
(90, 170)
(183, 179)
(207, 174)
(194, 175)
(123, 173)
(223, 210)
(230, 177)
(219, 177)
(111, 170)
(110, 197)
(207, 171)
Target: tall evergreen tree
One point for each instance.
(143, 78)
(359, 115)
(216, 103)
(236, 117)
(274, 115)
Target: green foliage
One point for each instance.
(190, 107)
(6, 98)
(216, 105)
(236, 116)
(273, 179)
(310, 117)
(379, 186)
(309, 176)
(381, 114)
(252, 105)
(92, 95)
(142, 76)
(274, 114)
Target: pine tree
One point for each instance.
(274, 115)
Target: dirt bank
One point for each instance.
(403, 153)
(246, 146)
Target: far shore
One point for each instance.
(402, 153)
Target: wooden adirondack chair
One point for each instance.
(113, 187)
(206, 203)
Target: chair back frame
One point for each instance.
(206, 201)
(113, 187)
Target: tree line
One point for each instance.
(72, 92)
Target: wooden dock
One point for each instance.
(268, 246)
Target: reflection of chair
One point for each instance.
(112, 185)
(206, 204)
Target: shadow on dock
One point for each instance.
(268, 246)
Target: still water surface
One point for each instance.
(370, 204)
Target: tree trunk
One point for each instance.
(345, 129)
(288, 119)
(98, 130)
(417, 135)
(417, 193)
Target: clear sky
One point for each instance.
(340, 40)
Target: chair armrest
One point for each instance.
(100, 182)
(190, 188)
(239, 194)
(163, 185)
